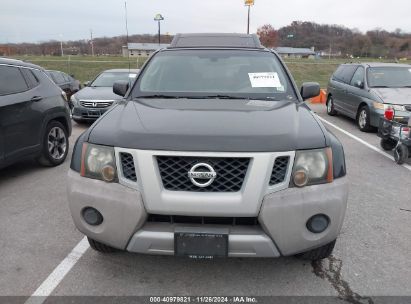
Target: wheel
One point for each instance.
(55, 145)
(318, 253)
(330, 106)
(100, 247)
(363, 119)
(388, 144)
(401, 154)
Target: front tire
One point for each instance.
(364, 119)
(320, 253)
(100, 247)
(330, 106)
(55, 145)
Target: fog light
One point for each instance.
(300, 178)
(318, 223)
(92, 216)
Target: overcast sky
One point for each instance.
(41, 20)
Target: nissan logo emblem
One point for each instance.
(202, 175)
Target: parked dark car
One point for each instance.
(66, 82)
(34, 116)
(97, 97)
(363, 91)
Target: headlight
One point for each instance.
(98, 162)
(384, 106)
(312, 167)
(73, 99)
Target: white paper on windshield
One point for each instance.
(265, 80)
(132, 75)
(409, 70)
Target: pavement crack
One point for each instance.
(330, 269)
(405, 210)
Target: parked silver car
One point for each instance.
(97, 96)
(364, 91)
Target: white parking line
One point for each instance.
(58, 274)
(382, 152)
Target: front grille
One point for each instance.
(279, 170)
(178, 219)
(127, 166)
(230, 173)
(95, 104)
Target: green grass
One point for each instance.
(85, 68)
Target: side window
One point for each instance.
(58, 77)
(348, 73)
(31, 78)
(11, 80)
(339, 73)
(358, 77)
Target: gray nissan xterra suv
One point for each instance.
(212, 153)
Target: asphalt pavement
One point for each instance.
(371, 258)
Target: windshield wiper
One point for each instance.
(231, 97)
(159, 96)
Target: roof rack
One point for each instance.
(216, 40)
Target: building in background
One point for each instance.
(290, 52)
(6, 50)
(142, 49)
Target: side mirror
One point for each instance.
(87, 83)
(120, 87)
(72, 76)
(359, 84)
(309, 90)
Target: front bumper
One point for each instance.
(281, 231)
(87, 114)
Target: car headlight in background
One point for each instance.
(73, 100)
(385, 106)
(312, 167)
(98, 162)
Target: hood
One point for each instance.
(209, 125)
(400, 96)
(97, 93)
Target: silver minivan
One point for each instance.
(364, 91)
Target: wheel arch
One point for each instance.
(360, 106)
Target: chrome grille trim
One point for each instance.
(96, 104)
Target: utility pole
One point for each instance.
(61, 45)
(92, 42)
(248, 3)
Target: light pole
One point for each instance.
(61, 45)
(159, 18)
(248, 3)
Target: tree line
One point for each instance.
(336, 39)
(339, 39)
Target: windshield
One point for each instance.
(215, 73)
(107, 79)
(391, 77)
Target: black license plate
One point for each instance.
(202, 244)
(94, 113)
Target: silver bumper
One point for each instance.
(282, 217)
(243, 241)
